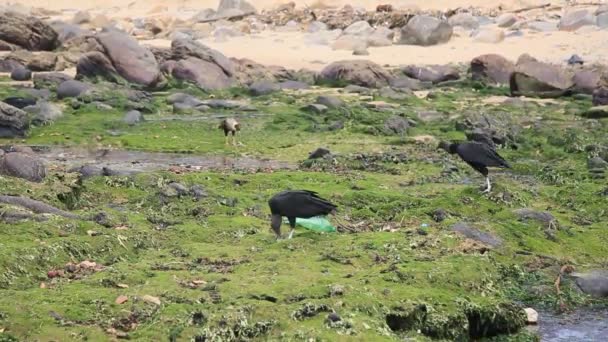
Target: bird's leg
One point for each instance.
(233, 140)
(226, 140)
(290, 233)
(489, 186)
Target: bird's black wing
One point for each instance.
(300, 203)
(481, 154)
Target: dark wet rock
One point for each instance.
(425, 30)
(597, 112)
(133, 117)
(492, 68)
(330, 101)
(27, 32)
(396, 125)
(319, 153)
(21, 74)
(593, 283)
(261, 88)
(468, 231)
(315, 108)
(432, 73)
(526, 214)
(50, 80)
(19, 102)
(574, 20)
(198, 192)
(535, 78)
(294, 85)
(404, 82)
(71, 88)
(600, 96)
(439, 215)
(333, 317)
(96, 64)
(464, 20)
(357, 72)
(22, 165)
(13, 121)
(575, 59)
(44, 112)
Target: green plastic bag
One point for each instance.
(317, 224)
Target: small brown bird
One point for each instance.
(230, 125)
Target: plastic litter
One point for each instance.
(317, 224)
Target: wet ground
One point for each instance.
(581, 325)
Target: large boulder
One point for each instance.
(594, 283)
(574, 20)
(587, 79)
(492, 68)
(27, 32)
(425, 30)
(234, 8)
(358, 72)
(208, 76)
(71, 88)
(13, 121)
(21, 74)
(359, 28)
(535, 78)
(464, 20)
(247, 72)
(44, 112)
(22, 165)
(95, 64)
(432, 73)
(43, 61)
(185, 48)
(132, 61)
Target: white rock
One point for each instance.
(359, 28)
(465, 20)
(574, 20)
(532, 316)
(506, 20)
(489, 36)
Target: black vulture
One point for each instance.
(296, 203)
(479, 156)
(230, 125)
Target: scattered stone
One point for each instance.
(492, 68)
(390, 93)
(425, 30)
(198, 192)
(597, 112)
(22, 165)
(261, 88)
(319, 153)
(475, 234)
(13, 121)
(531, 316)
(596, 164)
(430, 116)
(133, 117)
(330, 101)
(396, 125)
(358, 72)
(315, 108)
(544, 217)
(44, 112)
(333, 317)
(121, 300)
(489, 36)
(506, 20)
(50, 80)
(535, 78)
(71, 88)
(432, 73)
(357, 89)
(151, 299)
(404, 82)
(27, 32)
(21, 74)
(574, 20)
(465, 20)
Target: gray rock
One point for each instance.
(316, 26)
(133, 117)
(222, 33)
(44, 112)
(597, 163)
(198, 192)
(50, 80)
(330, 101)
(358, 72)
(600, 96)
(382, 36)
(489, 36)
(315, 108)
(68, 31)
(183, 98)
(492, 68)
(96, 64)
(601, 9)
(322, 37)
(71, 88)
(432, 73)
(602, 20)
(261, 88)
(468, 231)
(535, 78)
(542, 26)
(27, 32)
(81, 17)
(319, 153)
(390, 93)
(294, 85)
(404, 82)
(357, 89)
(594, 283)
(359, 28)
(574, 20)
(204, 16)
(226, 6)
(22, 165)
(350, 43)
(465, 20)
(506, 20)
(425, 30)
(526, 214)
(586, 81)
(396, 125)
(13, 121)
(21, 74)
(430, 116)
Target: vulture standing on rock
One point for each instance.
(479, 156)
(230, 125)
(298, 203)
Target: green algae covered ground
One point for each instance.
(170, 266)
